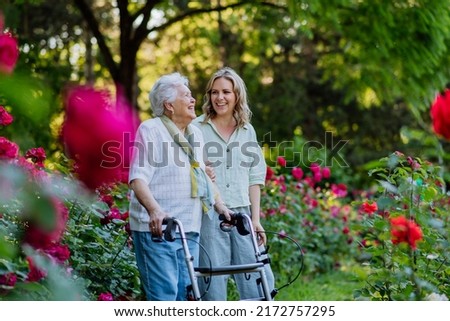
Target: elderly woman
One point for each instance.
(167, 179)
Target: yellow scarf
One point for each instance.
(200, 182)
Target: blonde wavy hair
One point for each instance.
(242, 112)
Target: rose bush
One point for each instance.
(307, 205)
(59, 241)
(404, 234)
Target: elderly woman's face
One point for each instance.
(184, 104)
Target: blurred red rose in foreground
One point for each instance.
(440, 114)
(98, 134)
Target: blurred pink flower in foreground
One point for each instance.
(98, 134)
(2, 22)
(9, 53)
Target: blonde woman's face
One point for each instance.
(223, 98)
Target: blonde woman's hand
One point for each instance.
(210, 171)
(260, 233)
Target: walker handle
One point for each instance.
(169, 232)
(238, 220)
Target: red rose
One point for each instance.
(8, 279)
(406, 231)
(59, 252)
(40, 237)
(369, 208)
(440, 114)
(269, 173)
(35, 274)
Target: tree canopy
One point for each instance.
(358, 69)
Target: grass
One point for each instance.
(336, 285)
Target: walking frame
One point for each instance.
(244, 226)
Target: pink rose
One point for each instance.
(5, 117)
(105, 296)
(297, 173)
(315, 168)
(339, 190)
(326, 172)
(281, 161)
(8, 149)
(97, 134)
(9, 53)
(37, 155)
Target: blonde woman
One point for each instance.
(232, 149)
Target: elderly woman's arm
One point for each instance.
(145, 197)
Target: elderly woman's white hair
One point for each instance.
(164, 90)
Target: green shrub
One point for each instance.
(404, 235)
(304, 204)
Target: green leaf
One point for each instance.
(388, 186)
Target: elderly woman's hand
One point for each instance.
(156, 218)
